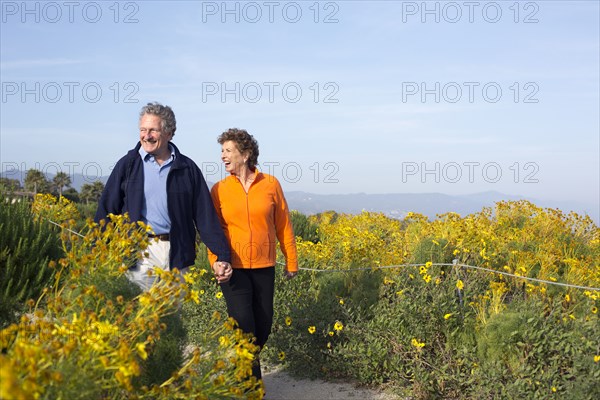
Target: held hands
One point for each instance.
(222, 270)
(289, 274)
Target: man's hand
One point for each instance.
(222, 271)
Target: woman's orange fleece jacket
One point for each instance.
(253, 221)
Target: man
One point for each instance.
(161, 187)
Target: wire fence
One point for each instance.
(455, 263)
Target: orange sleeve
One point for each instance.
(284, 230)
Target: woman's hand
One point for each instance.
(290, 275)
(222, 271)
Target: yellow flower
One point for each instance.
(219, 365)
(288, 321)
(105, 361)
(417, 344)
(244, 353)
(331, 333)
(448, 315)
(553, 389)
(427, 278)
(460, 285)
(141, 349)
(596, 359)
(219, 295)
(594, 310)
(428, 264)
(567, 298)
(456, 252)
(338, 326)
(342, 301)
(145, 299)
(312, 329)
(193, 295)
(189, 279)
(281, 356)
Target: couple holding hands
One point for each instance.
(240, 219)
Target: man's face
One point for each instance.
(152, 138)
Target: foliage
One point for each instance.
(91, 192)
(57, 210)
(71, 194)
(94, 335)
(9, 184)
(27, 247)
(60, 181)
(36, 182)
(432, 328)
(391, 303)
(304, 227)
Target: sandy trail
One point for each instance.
(281, 386)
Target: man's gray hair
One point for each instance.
(166, 114)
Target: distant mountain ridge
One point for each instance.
(397, 205)
(394, 205)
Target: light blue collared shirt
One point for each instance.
(154, 210)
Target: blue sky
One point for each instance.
(343, 96)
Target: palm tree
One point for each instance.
(60, 181)
(91, 192)
(35, 181)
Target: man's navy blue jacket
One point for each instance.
(189, 205)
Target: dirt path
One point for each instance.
(280, 386)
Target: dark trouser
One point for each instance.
(249, 297)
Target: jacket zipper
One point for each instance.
(248, 216)
(249, 225)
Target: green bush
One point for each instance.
(428, 331)
(535, 349)
(95, 335)
(304, 227)
(26, 248)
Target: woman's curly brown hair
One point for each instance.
(245, 143)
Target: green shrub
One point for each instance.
(26, 248)
(304, 227)
(95, 335)
(431, 331)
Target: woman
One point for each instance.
(254, 214)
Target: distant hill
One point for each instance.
(394, 205)
(397, 205)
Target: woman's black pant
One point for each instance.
(249, 298)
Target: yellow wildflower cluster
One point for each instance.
(81, 341)
(516, 237)
(59, 210)
(367, 239)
